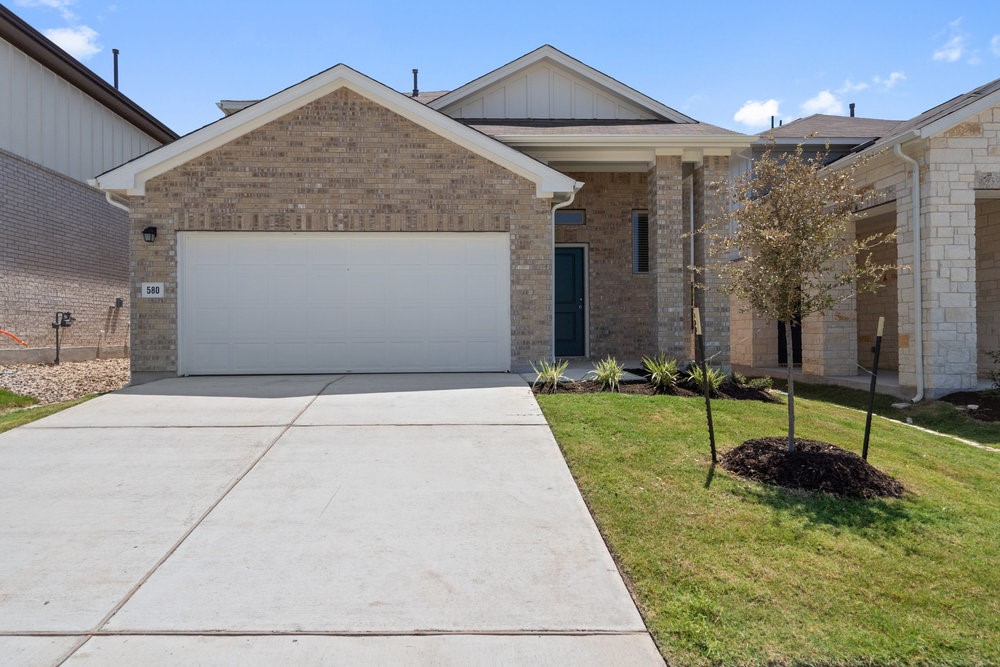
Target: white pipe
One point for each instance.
(107, 196)
(918, 292)
(556, 207)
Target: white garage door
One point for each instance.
(276, 302)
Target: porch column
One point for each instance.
(711, 204)
(666, 256)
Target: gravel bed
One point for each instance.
(52, 384)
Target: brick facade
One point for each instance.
(881, 303)
(987, 283)
(340, 163)
(620, 321)
(711, 205)
(62, 248)
(666, 255)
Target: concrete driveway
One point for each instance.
(356, 519)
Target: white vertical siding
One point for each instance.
(546, 91)
(49, 121)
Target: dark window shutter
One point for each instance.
(640, 241)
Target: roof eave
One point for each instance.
(130, 178)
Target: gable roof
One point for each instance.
(935, 120)
(130, 178)
(841, 128)
(40, 48)
(551, 54)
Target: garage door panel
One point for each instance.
(276, 302)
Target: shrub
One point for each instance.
(738, 380)
(608, 373)
(663, 372)
(760, 383)
(549, 374)
(995, 373)
(715, 378)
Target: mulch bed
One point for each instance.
(988, 402)
(815, 466)
(645, 388)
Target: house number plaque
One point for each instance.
(152, 290)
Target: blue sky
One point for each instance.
(728, 64)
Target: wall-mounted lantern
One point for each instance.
(149, 234)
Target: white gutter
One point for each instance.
(107, 196)
(918, 293)
(556, 207)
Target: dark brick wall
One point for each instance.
(62, 247)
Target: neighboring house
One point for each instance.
(944, 345)
(63, 247)
(339, 225)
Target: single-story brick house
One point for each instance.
(339, 225)
(948, 159)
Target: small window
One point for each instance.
(570, 216)
(640, 241)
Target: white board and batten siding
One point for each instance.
(45, 119)
(332, 302)
(546, 90)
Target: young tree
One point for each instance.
(794, 239)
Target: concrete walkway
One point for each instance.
(360, 519)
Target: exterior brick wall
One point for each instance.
(711, 205)
(881, 303)
(666, 255)
(340, 163)
(620, 316)
(987, 282)
(62, 248)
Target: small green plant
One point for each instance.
(549, 374)
(714, 378)
(760, 383)
(608, 373)
(738, 380)
(995, 373)
(663, 372)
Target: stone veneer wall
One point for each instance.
(340, 163)
(881, 303)
(953, 165)
(62, 248)
(987, 283)
(620, 315)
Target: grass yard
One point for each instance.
(935, 415)
(12, 415)
(729, 572)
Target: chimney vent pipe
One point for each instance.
(852, 109)
(415, 91)
(115, 52)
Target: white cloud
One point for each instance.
(953, 49)
(824, 102)
(851, 87)
(756, 113)
(80, 42)
(890, 81)
(61, 6)
(995, 45)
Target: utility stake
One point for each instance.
(871, 395)
(700, 352)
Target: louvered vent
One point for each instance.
(640, 241)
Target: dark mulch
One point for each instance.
(815, 466)
(645, 388)
(988, 402)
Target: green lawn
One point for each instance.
(12, 418)
(9, 400)
(729, 572)
(935, 415)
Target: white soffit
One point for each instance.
(130, 178)
(549, 83)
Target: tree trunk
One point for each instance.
(791, 386)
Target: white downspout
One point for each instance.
(552, 318)
(918, 292)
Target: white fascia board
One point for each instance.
(572, 64)
(131, 177)
(635, 140)
(960, 115)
